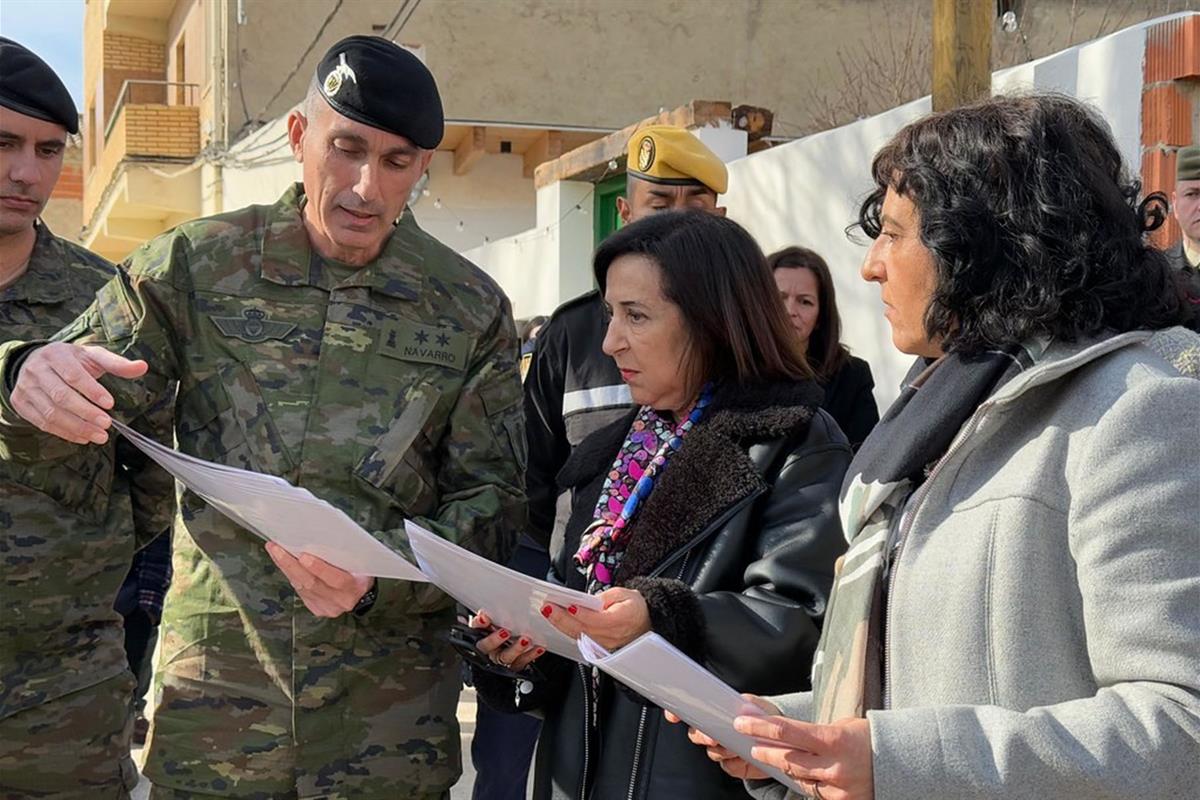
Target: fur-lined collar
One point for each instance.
(710, 473)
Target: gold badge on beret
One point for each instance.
(669, 154)
(333, 81)
(646, 153)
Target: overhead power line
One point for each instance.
(413, 10)
(386, 32)
(320, 32)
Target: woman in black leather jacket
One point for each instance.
(728, 551)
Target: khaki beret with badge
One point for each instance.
(1187, 163)
(378, 83)
(674, 156)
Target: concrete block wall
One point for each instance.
(1170, 106)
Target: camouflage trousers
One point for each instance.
(75, 747)
(164, 793)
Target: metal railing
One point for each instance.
(138, 92)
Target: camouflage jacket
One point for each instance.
(392, 394)
(67, 524)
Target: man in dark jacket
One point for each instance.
(1185, 202)
(573, 389)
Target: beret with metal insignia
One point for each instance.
(28, 86)
(1187, 163)
(378, 83)
(671, 155)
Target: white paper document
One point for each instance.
(512, 600)
(271, 507)
(660, 672)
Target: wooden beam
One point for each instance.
(962, 52)
(545, 148)
(469, 150)
(590, 162)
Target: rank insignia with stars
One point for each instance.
(253, 327)
(427, 344)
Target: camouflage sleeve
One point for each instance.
(137, 314)
(152, 489)
(480, 475)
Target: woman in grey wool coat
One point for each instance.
(1018, 614)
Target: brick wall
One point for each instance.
(70, 183)
(1170, 106)
(133, 53)
(158, 130)
(64, 213)
(135, 59)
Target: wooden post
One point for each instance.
(962, 51)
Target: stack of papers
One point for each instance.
(279, 512)
(658, 671)
(512, 600)
(300, 522)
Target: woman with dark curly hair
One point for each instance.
(1017, 613)
(806, 288)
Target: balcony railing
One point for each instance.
(144, 92)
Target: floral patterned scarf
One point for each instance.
(651, 441)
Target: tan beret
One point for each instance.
(671, 155)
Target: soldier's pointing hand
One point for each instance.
(58, 390)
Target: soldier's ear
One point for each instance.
(624, 210)
(297, 124)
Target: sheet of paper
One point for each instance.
(512, 600)
(272, 508)
(660, 672)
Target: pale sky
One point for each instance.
(54, 30)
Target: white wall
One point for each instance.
(807, 191)
(550, 263)
(493, 200)
(259, 168)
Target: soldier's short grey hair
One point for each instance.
(312, 100)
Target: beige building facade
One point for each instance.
(174, 90)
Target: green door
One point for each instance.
(605, 206)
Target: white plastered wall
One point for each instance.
(808, 191)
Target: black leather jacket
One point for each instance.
(734, 552)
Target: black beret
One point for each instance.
(378, 83)
(29, 86)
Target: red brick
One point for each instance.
(1166, 117)
(1173, 50)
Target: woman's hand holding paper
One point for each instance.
(624, 617)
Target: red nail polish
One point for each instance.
(523, 642)
(572, 609)
(504, 634)
(547, 611)
(540, 651)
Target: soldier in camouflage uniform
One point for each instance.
(324, 342)
(68, 526)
